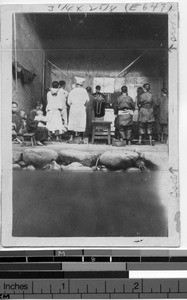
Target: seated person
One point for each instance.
(23, 114)
(15, 138)
(23, 128)
(17, 123)
(41, 132)
(42, 120)
(14, 133)
(16, 117)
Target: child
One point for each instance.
(23, 128)
(41, 118)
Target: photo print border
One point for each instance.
(169, 178)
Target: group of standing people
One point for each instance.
(75, 111)
(72, 112)
(145, 112)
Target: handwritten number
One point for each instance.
(50, 7)
(163, 6)
(111, 8)
(145, 7)
(92, 8)
(154, 6)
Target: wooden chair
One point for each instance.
(101, 130)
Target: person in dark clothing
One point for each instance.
(41, 133)
(163, 116)
(139, 91)
(99, 104)
(64, 97)
(89, 112)
(123, 110)
(146, 114)
(16, 117)
(44, 100)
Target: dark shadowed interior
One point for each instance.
(90, 45)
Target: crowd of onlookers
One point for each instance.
(146, 116)
(71, 114)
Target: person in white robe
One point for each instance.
(64, 96)
(77, 99)
(54, 109)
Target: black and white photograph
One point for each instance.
(90, 125)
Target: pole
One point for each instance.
(131, 64)
(43, 76)
(57, 68)
(15, 52)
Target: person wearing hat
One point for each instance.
(54, 109)
(163, 116)
(123, 110)
(77, 99)
(146, 114)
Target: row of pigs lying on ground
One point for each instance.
(76, 160)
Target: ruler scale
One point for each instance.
(89, 274)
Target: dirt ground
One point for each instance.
(158, 153)
(100, 147)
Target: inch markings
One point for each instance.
(107, 287)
